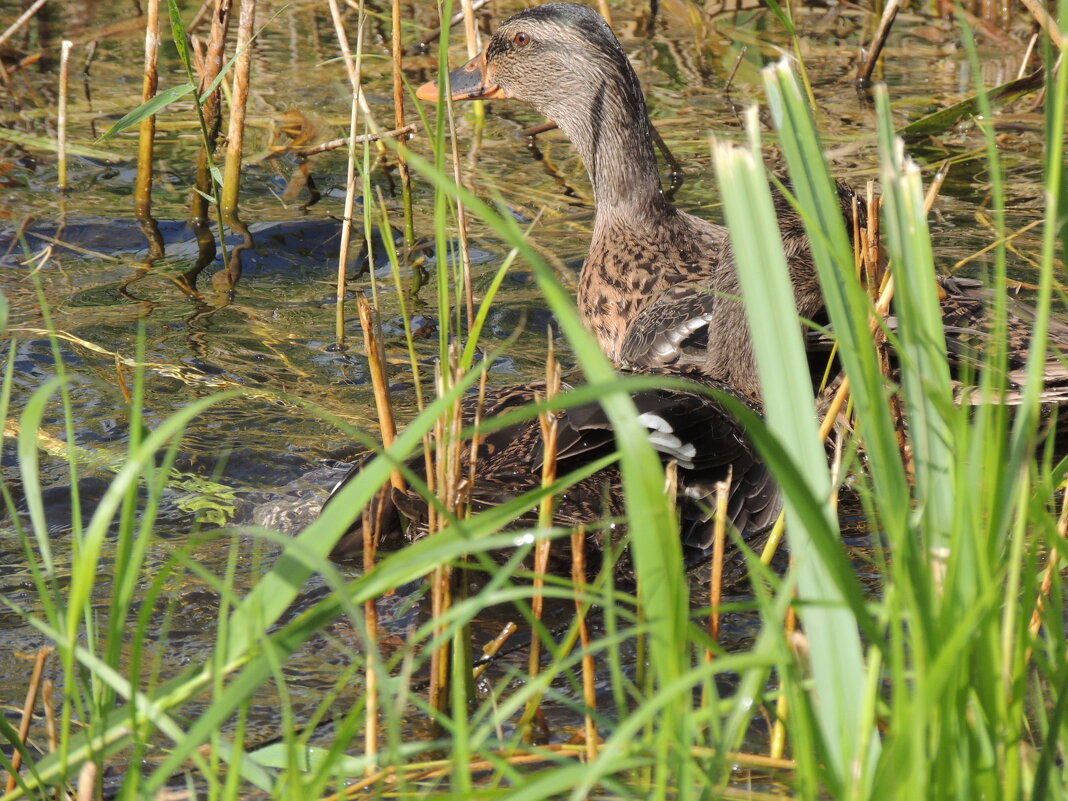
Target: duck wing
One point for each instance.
(685, 426)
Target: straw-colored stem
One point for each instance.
(719, 541)
(334, 144)
(542, 550)
(211, 110)
(26, 16)
(235, 134)
(61, 123)
(354, 66)
(1047, 579)
(147, 129)
(398, 123)
(778, 731)
(1049, 25)
(589, 691)
(878, 40)
(379, 380)
(605, 11)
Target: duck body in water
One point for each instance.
(659, 286)
(685, 426)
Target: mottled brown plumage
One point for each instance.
(659, 285)
(685, 426)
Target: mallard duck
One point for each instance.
(659, 285)
(686, 427)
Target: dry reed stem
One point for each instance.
(548, 423)
(1047, 580)
(120, 380)
(440, 585)
(211, 109)
(147, 129)
(198, 18)
(398, 122)
(235, 132)
(379, 381)
(719, 541)
(589, 691)
(778, 731)
(334, 144)
(354, 69)
(457, 18)
(22, 20)
(440, 768)
(27, 712)
(61, 114)
(877, 42)
(87, 782)
(352, 64)
(605, 11)
(494, 646)
(1049, 25)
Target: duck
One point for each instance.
(659, 286)
(687, 427)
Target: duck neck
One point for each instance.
(612, 133)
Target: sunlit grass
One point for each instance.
(950, 682)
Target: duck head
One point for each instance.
(564, 60)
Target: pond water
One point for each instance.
(273, 333)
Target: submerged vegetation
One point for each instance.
(908, 639)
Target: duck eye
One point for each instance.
(521, 39)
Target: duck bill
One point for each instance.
(468, 82)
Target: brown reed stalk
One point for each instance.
(201, 15)
(589, 692)
(441, 581)
(777, 746)
(235, 132)
(379, 380)
(147, 129)
(877, 42)
(1046, 585)
(25, 17)
(334, 144)
(493, 647)
(542, 550)
(61, 114)
(398, 123)
(354, 67)
(27, 713)
(353, 64)
(1048, 23)
(204, 186)
(87, 782)
(605, 11)
(719, 540)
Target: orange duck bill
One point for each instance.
(468, 82)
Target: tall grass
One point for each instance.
(948, 683)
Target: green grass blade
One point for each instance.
(837, 663)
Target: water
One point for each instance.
(272, 336)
